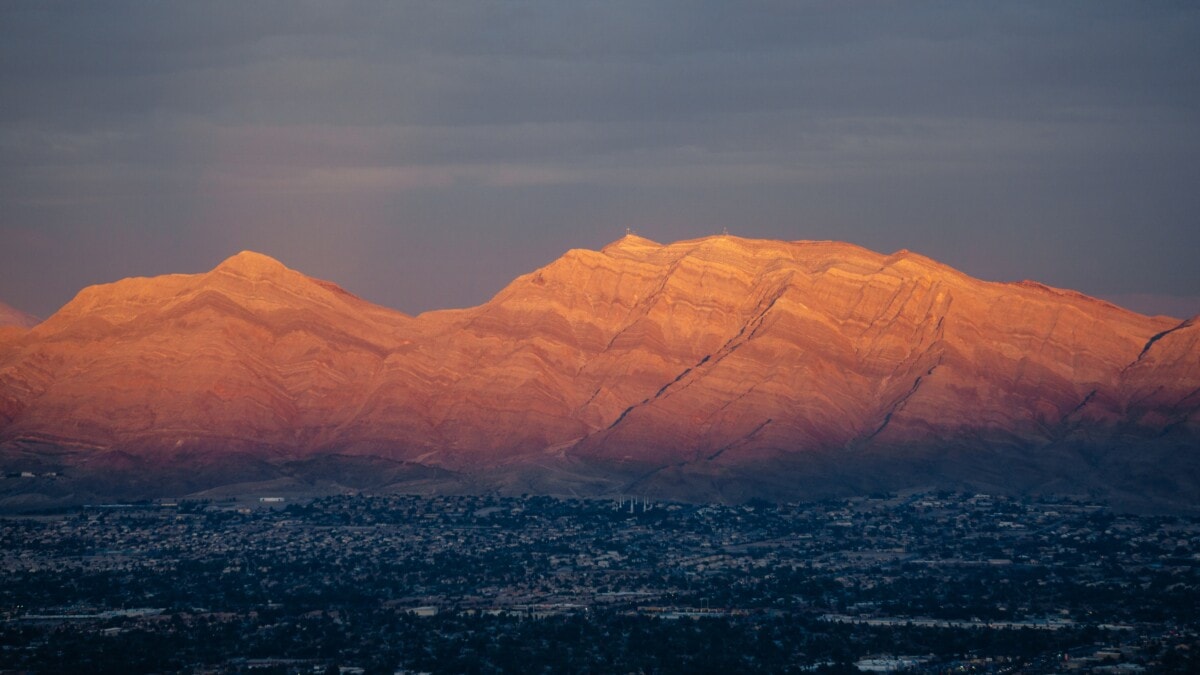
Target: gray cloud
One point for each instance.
(422, 154)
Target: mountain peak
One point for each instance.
(631, 243)
(251, 264)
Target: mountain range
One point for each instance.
(719, 368)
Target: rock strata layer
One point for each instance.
(713, 368)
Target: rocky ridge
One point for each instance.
(713, 368)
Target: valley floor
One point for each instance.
(925, 582)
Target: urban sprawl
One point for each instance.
(925, 582)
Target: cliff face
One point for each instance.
(1158, 394)
(688, 363)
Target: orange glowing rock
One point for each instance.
(678, 365)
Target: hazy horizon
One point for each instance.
(1149, 304)
(423, 154)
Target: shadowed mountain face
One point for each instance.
(716, 368)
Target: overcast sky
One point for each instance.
(424, 154)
